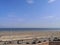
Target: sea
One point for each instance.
(29, 29)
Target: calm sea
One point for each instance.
(29, 29)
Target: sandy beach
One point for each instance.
(28, 35)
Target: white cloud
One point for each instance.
(11, 22)
(48, 17)
(50, 1)
(52, 17)
(30, 1)
(13, 17)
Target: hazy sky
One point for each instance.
(29, 13)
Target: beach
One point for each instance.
(27, 37)
(28, 34)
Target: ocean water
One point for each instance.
(29, 29)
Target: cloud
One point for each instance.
(48, 17)
(11, 22)
(30, 1)
(50, 1)
(13, 17)
(52, 17)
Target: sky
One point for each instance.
(29, 13)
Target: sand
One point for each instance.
(28, 35)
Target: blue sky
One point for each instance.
(29, 13)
